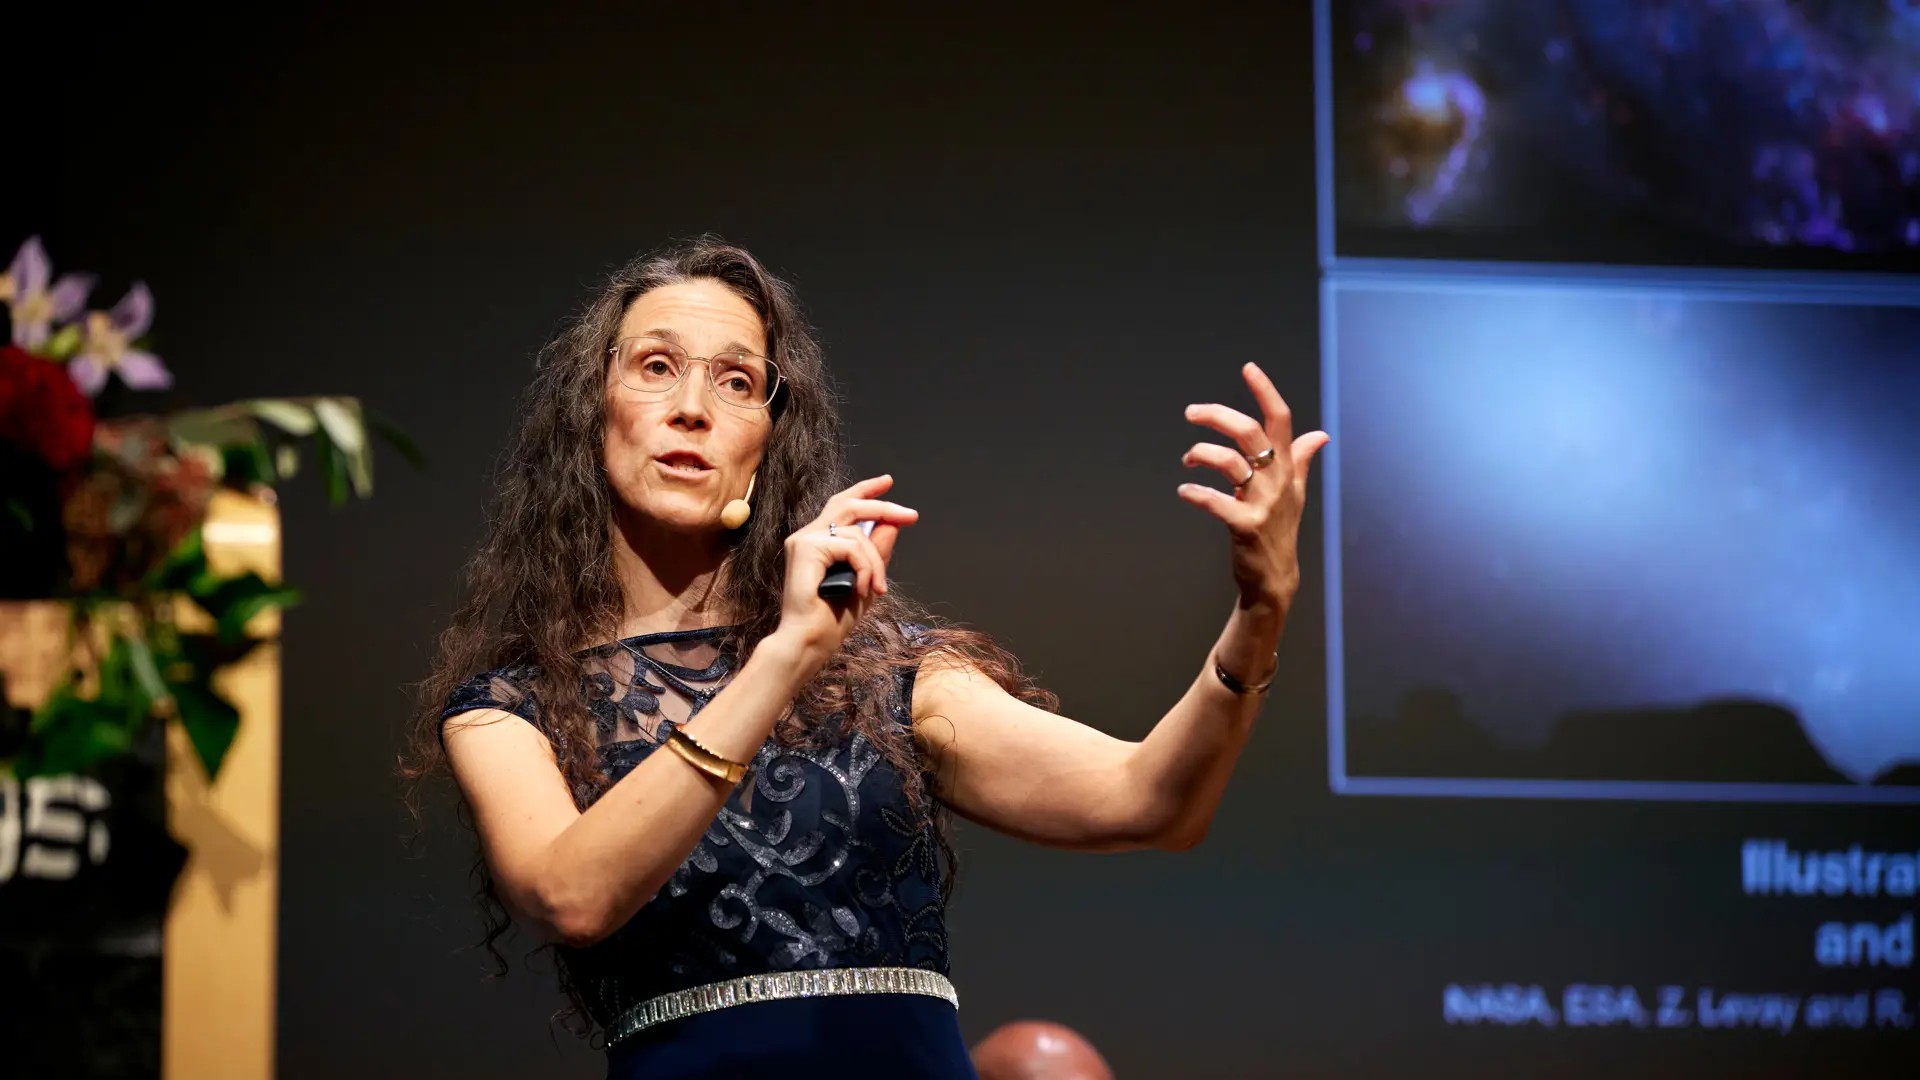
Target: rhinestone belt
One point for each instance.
(777, 986)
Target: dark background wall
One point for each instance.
(1029, 238)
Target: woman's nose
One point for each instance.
(690, 398)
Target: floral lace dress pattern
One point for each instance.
(814, 862)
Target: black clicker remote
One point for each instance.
(838, 584)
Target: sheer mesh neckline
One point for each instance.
(640, 687)
(661, 636)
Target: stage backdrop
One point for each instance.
(1029, 239)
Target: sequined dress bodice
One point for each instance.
(814, 862)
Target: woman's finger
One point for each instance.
(1234, 424)
(1304, 449)
(1240, 518)
(854, 510)
(884, 537)
(1225, 460)
(871, 564)
(871, 488)
(1279, 426)
(851, 549)
(876, 563)
(870, 570)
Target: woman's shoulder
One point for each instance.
(919, 637)
(508, 688)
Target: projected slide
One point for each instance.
(1760, 133)
(1609, 540)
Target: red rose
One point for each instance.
(42, 411)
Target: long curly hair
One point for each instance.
(540, 585)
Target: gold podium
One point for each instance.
(222, 926)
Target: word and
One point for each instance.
(1838, 944)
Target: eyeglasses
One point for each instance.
(654, 365)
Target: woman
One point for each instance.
(720, 795)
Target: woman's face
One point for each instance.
(675, 457)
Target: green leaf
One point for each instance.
(71, 735)
(236, 600)
(390, 433)
(210, 721)
(248, 463)
(205, 653)
(183, 567)
(64, 344)
(290, 417)
(260, 460)
(117, 682)
(340, 416)
(213, 427)
(360, 470)
(146, 672)
(333, 468)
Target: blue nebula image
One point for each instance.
(1587, 528)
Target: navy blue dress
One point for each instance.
(815, 862)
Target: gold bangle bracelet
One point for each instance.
(704, 759)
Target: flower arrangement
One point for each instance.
(105, 514)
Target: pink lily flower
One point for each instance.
(108, 347)
(34, 306)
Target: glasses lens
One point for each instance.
(743, 379)
(651, 364)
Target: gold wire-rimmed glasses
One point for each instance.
(654, 365)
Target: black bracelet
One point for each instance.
(1241, 688)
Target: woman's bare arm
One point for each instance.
(1043, 777)
(576, 877)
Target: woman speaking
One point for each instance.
(719, 788)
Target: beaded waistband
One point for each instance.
(776, 986)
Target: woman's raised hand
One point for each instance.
(817, 626)
(1268, 468)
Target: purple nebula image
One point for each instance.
(1759, 133)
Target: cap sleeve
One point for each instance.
(507, 689)
(918, 635)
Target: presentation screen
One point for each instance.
(1620, 332)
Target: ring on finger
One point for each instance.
(1243, 483)
(832, 525)
(1259, 461)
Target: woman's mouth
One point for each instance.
(684, 464)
